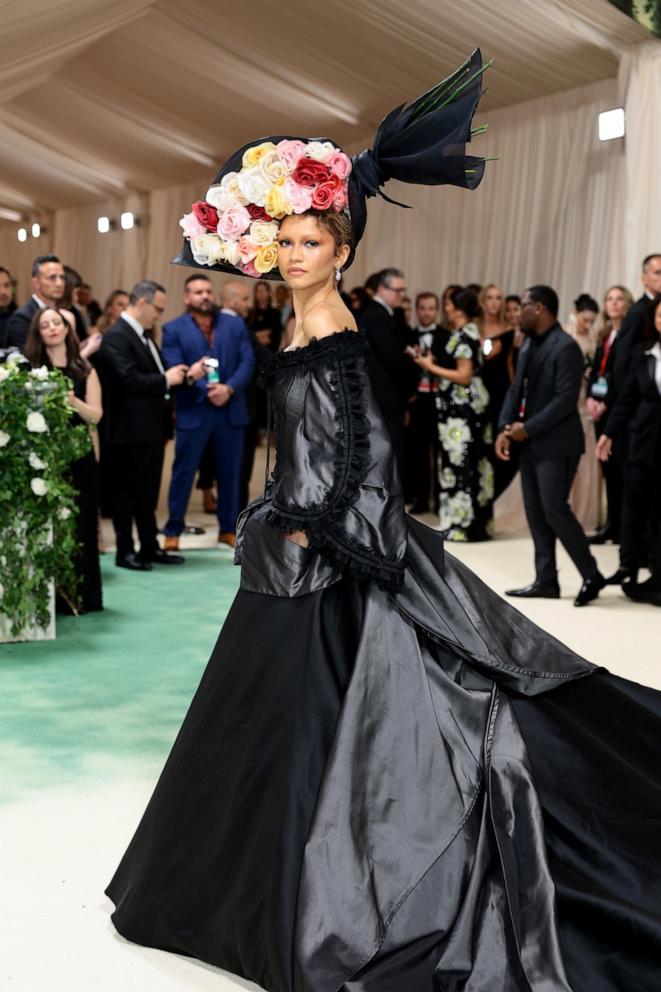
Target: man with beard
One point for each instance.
(540, 415)
(210, 405)
(7, 304)
(48, 288)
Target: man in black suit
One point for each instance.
(630, 337)
(7, 305)
(540, 413)
(135, 390)
(47, 291)
(388, 368)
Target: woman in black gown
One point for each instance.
(53, 343)
(389, 780)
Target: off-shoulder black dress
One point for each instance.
(389, 780)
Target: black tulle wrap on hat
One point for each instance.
(423, 142)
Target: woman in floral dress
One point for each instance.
(464, 428)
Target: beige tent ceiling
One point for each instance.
(100, 98)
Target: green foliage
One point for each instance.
(38, 443)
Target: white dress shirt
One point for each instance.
(656, 352)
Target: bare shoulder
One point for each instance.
(325, 319)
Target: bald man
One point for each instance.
(211, 405)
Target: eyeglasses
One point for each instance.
(397, 289)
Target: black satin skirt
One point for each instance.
(405, 792)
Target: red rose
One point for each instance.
(311, 173)
(206, 214)
(323, 196)
(257, 213)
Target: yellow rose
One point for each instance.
(266, 258)
(251, 156)
(276, 203)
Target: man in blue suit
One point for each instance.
(207, 410)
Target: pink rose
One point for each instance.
(310, 173)
(340, 165)
(300, 197)
(249, 269)
(340, 199)
(323, 196)
(233, 222)
(247, 249)
(290, 152)
(206, 214)
(191, 226)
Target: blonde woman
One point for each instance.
(497, 337)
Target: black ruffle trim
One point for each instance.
(343, 354)
(318, 351)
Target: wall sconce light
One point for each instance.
(611, 124)
(36, 230)
(127, 220)
(22, 234)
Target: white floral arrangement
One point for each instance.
(239, 219)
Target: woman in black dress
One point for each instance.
(388, 780)
(52, 342)
(264, 320)
(497, 340)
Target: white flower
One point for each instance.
(64, 513)
(486, 480)
(454, 435)
(41, 373)
(272, 167)
(229, 252)
(448, 479)
(263, 232)
(230, 182)
(4, 438)
(4, 373)
(38, 486)
(254, 185)
(320, 151)
(36, 423)
(461, 510)
(221, 198)
(36, 461)
(206, 248)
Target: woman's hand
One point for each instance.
(91, 344)
(299, 537)
(72, 399)
(596, 409)
(424, 361)
(604, 448)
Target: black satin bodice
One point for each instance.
(334, 476)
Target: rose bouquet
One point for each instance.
(238, 222)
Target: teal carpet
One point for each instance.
(107, 697)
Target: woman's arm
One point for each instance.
(462, 375)
(90, 409)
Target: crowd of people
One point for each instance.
(475, 386)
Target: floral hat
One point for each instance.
(235, 228)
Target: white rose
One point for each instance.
(320, 151)
(272, 167)
(36, 423)
(41, 373)
(4, 373)
(38, 486)
(64, 513)
(4, 438)
(230, 182)
(229, 252)
(36, 461)
(221, 198)
(206, 248)
(254, 185)
(263, 232)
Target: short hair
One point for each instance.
(372, 282)
(648, 259)
(146, 289)
(586, 302)
(196, 278)
(43, 260)
(467, 301)
(6, 272)
(650, 333)
(386, 274)
(546, 296)
(513, 298)
(427, 295)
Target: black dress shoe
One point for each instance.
(590, 590)
(536, 590)
(132, 561)
(645, 592)
(161, 557)
(192, 529)
(604, 534)
(617, 578)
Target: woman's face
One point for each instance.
(262, 295)
(306, 252)
(493, 301)
(118, 306)
(615, 304)
(512, 313)
(52, 328)
(584, 321)
(657, 320)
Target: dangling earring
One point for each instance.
(338, 274)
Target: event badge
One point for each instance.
(599, 388)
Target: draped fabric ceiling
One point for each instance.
(105, 103)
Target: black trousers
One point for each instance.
(641, 517)
(421, 447)
(613, 472)
(136, 472)
(546, 484)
